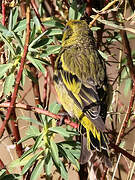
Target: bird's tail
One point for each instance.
(91, 142)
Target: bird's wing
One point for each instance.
(82, 90)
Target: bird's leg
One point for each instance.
(63, 116)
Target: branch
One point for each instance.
(125, 121)
(131, 67)
(122, 151)
(16, 133)
(34, 6)
(2, 166)
(35, 85)
(104, 9)
(3, 13)
(40, 111)
(19, 75)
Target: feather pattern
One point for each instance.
(81, 84)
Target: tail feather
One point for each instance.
(100, 145)
(95, 142)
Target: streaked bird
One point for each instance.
(82, 87)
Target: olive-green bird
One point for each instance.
(81, 84)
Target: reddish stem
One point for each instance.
(40, 111)
(127, 50)
(19, 75)
(45, 88)
(3, 13)
(35, 85)
(34, 6)
(2, 166)
(72, 124)
(88, 7)
(16, 133)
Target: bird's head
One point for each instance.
(75, 30)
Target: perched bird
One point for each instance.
(82, 87)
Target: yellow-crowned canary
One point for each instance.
(82, 87)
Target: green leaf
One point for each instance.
(30, 120)
(63, 171)
(73, 10)
(122, 144)
(38, 142)
(37, 23)
(10, 20)
(33, 32)
(11, 177)
(33, 131)
(43, 42)
(15, 16)
(81, 10)
(53, 32)
(76, 153)
(25, 138)
(68, 155)
(2, 173)
(20, 26)
(30, 76)
(18, 39)
(54, 108)
(26, 153)
(54, 150)
(30, 162)
(36, 40)
(48, 164)
(8, 85)
(128, 84)
(51, 49)
(4, 68)
(76, 10)
(62, 131)
(53, 23)
(3, 28)
(36, 63)
(9, 45)
(95, 28)
(37, 170)
(73, 146)
(105, 56)
(115, 26)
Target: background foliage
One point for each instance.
(30, 39)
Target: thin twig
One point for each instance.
(3, 13)
(35, 85)
(40, 111)
(131, 67)
(34, 6)
(19, 75)
(16, 133)
(2, 166)
(104, 9)
(122, 151)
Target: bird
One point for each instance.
(82, 87)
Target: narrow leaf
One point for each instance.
(48, 164)
(37, 170)
(30, 162)
(8, 85)
(4, 68)
(54, 150)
